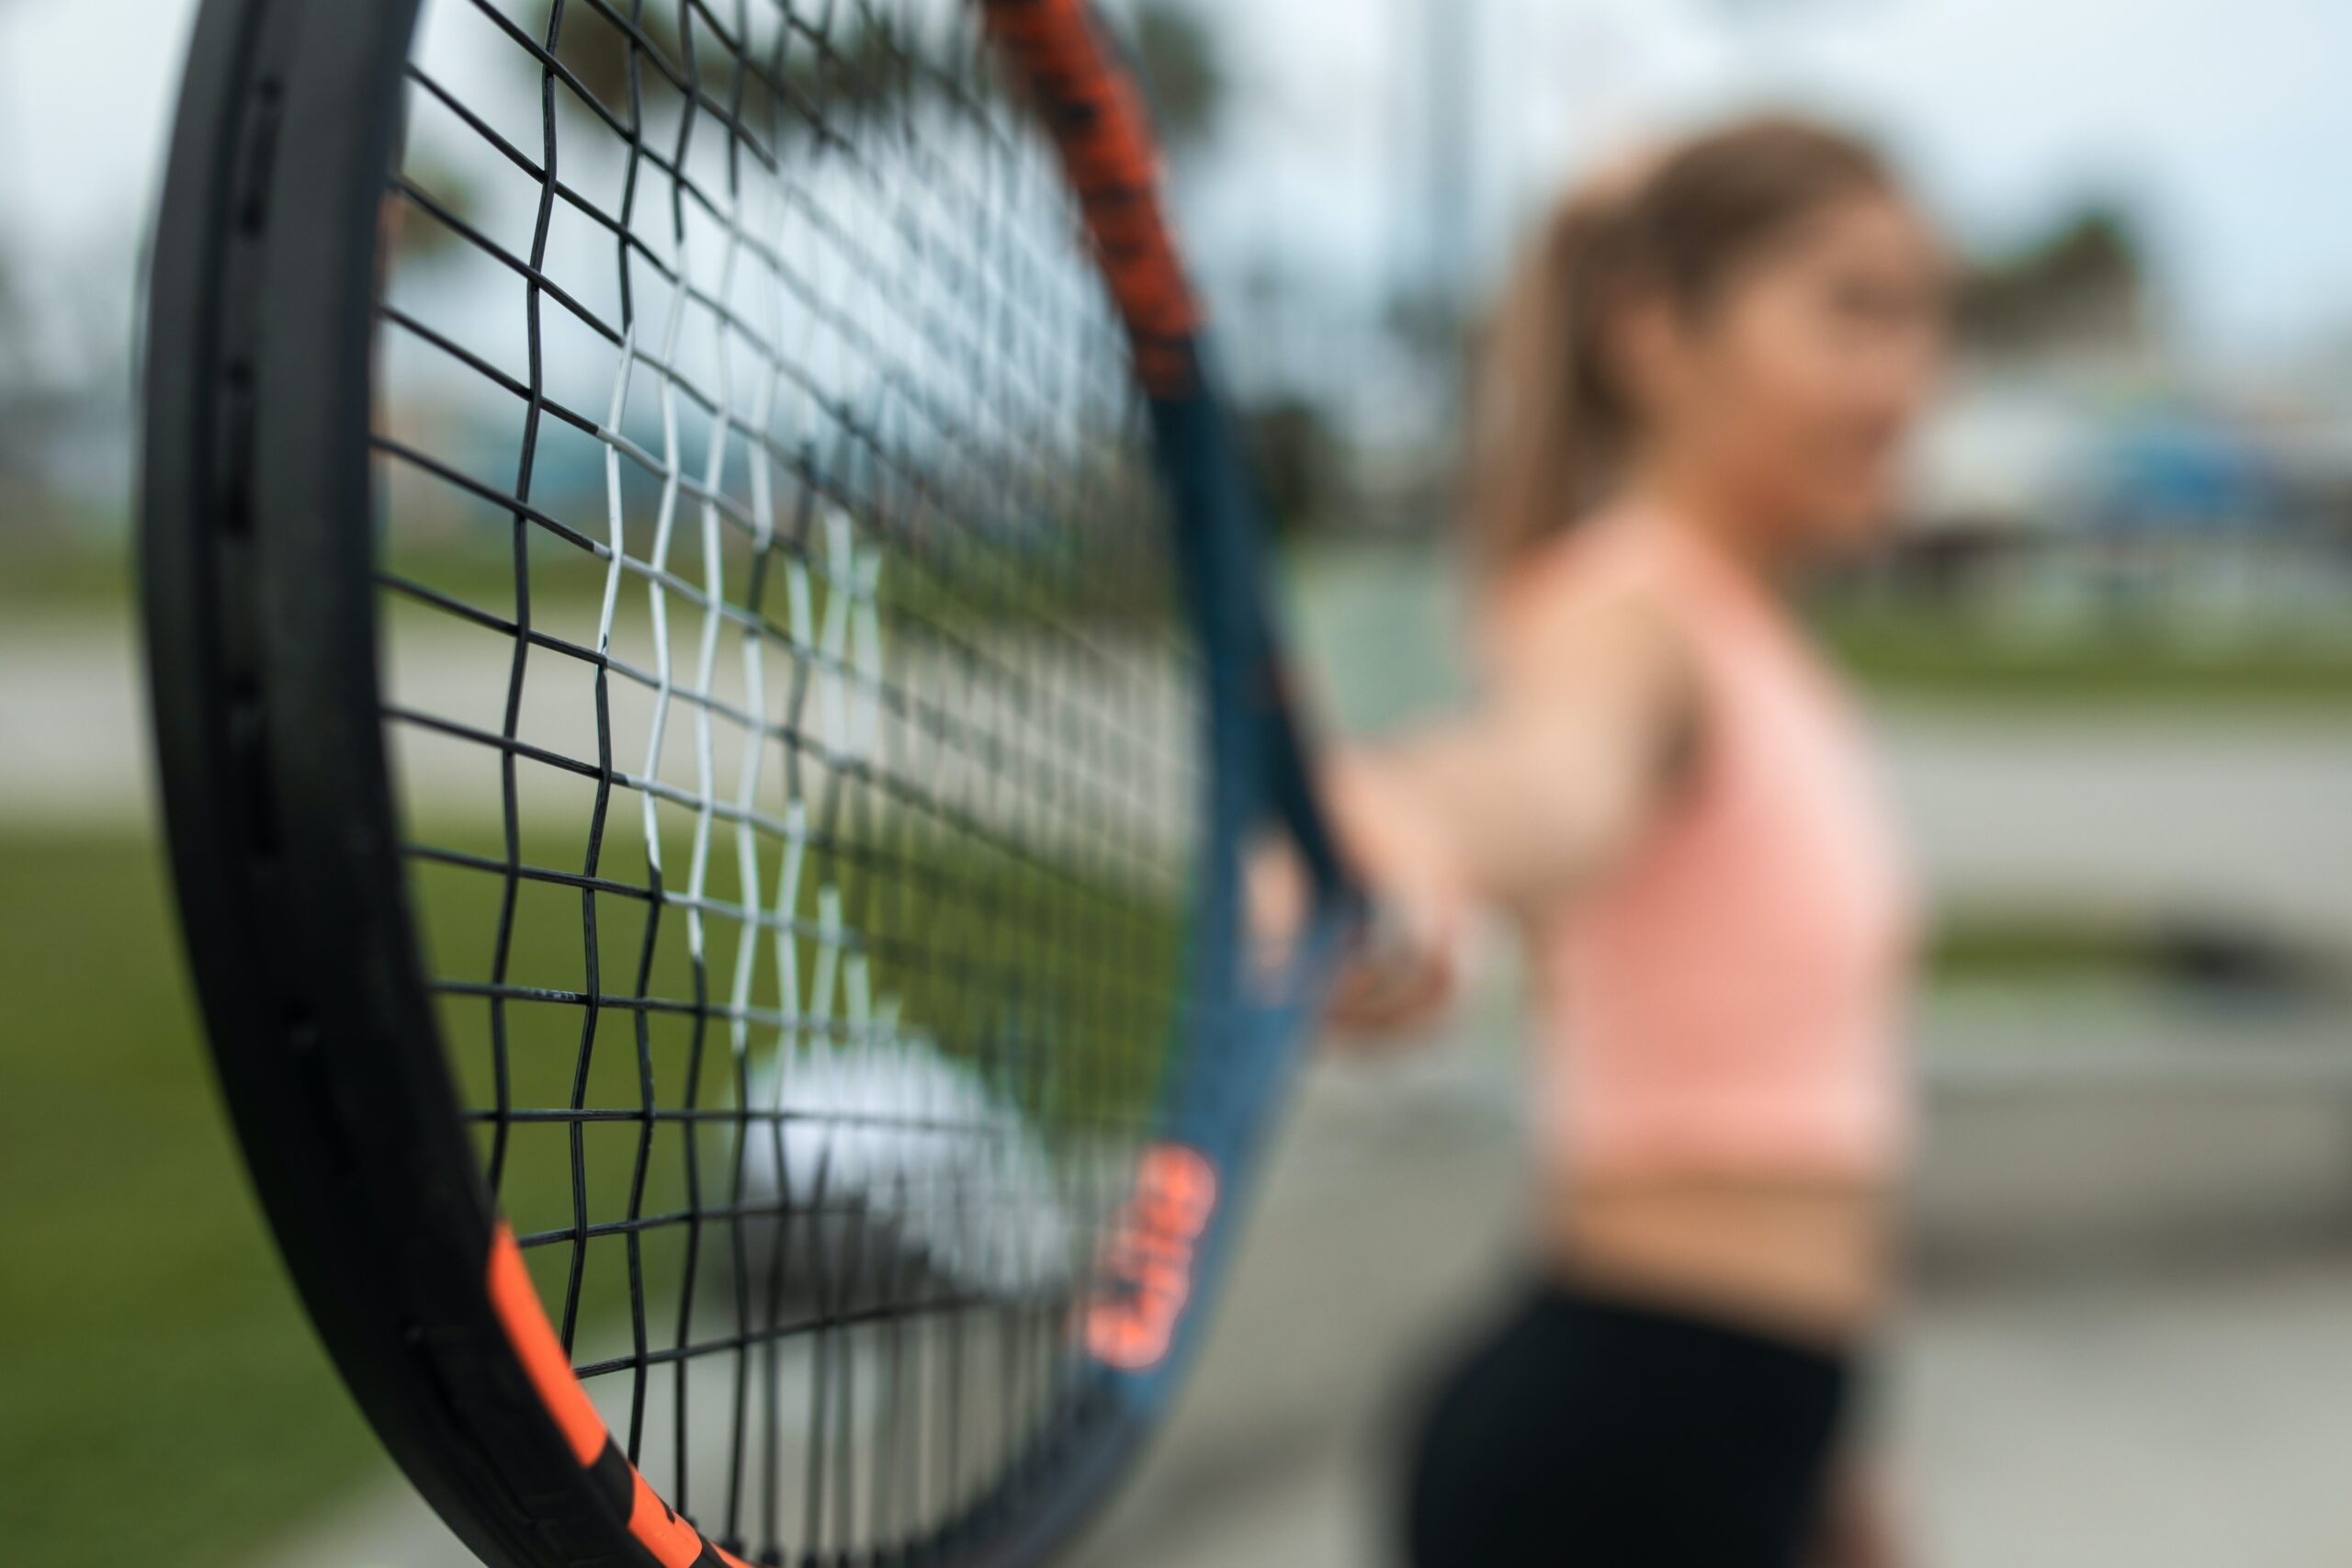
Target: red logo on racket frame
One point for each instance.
(1145, 1272)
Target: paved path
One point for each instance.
(2141, 1411)
(2209, 815)
(2048, 1413)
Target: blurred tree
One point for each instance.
(597, 51)
(1298, 462)
(417, 236)
(2083, 283)
(24, 401)
(16, 379)
(65, 380)
(861, 67)
(13, 347)
(1183, 71)
(864, 65)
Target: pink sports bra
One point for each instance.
(1728, 998)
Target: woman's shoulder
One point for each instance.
(1615, 574)
(1597, 609)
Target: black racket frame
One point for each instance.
(260, 607)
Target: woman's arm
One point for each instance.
(1513, 803)
(1551, 778)
(1862, 1518)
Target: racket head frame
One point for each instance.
(260, 607)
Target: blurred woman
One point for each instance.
(1696, 389)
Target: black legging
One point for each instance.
(1587, 1433)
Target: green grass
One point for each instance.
(1928, 654)
(53, 578)
(166, 1401)
(2039, 947)
(2045, 948)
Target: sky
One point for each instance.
(2224, 123)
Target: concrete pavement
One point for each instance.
(2176, 1400)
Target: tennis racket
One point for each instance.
(713, 679)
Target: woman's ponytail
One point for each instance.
(1546, 418)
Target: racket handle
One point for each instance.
(1383, 935)
(1395, 971)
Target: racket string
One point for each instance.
(872, 627)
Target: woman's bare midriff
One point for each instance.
(1805, 1258)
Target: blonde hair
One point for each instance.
(1551, 420)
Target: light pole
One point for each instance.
(1450, 38)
